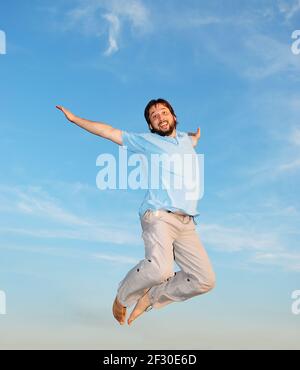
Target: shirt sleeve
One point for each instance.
(136, 143)
(190, 138)
(187, 137)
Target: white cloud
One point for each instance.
(134, 10)
(38, 205)
(199, 16)
(288, 261)
(289, 8)
(88, 15)
(91, 233)
(191, 19)
(36, 202)
(261, 247)
(273, 171)
(115, 258)
(114, 30)
(274, 206)
(290, 166)
(60, 251)
(295, 137)
(268, 56)
(237, 239)
(248, 51)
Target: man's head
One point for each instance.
(160, 117)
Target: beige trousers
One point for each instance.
(168, 237)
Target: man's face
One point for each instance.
(162, 120)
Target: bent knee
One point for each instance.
(208, 285)
(161, 275)
(205, 286)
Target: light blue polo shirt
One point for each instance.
(174, 192)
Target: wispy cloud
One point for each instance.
(37, 202)
(289, 7)
(198, 16)
(115, 258)
(290, 162)
(114, 30)
(289, 166)
(252, 53)
(60, 251)
(190, 19)
(256, 244)
(57, 251)
(294, 136)
(288, 261)
(38, 205)
(260, 56)
(270, 56)
(238, 239)
(274, 206)
(89, 14)
(90, 233)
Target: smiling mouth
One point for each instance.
(164, 125)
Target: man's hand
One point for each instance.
(195, 136)
(69, 115)
(97, 128)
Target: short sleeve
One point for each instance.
(190, 137)
(136, 143)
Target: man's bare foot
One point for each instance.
(119, 311)
(142, 304)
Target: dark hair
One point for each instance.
(155, 102)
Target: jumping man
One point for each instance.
(167, 218)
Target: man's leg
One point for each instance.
(196, 275)
(153, 270)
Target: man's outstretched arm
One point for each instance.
(97, 128)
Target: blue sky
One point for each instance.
(226, 67)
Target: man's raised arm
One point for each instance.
(195, 136)
(96, 128)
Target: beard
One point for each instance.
(172, 127)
